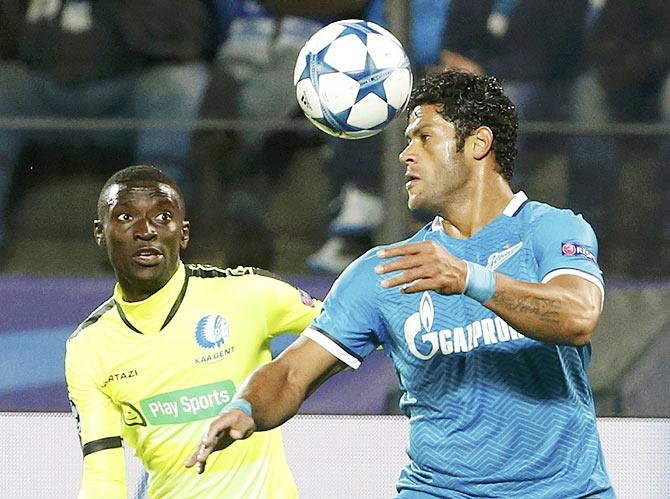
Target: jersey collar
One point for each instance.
(510, 210)
(151, 315)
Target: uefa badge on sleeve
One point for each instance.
(572, 249)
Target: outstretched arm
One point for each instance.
(564, 310)
(274, 393)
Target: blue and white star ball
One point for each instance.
(352, 78)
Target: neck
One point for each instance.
(133, 294)
(474, 206)
(136, 290)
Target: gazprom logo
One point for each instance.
(422, 322)
(424, 343)
(211, 331)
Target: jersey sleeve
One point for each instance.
(288, 309)
(564, 243)
(350, 325)
(99, 422)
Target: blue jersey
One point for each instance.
(492, 412)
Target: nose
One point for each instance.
(407, 156)
(144, 230)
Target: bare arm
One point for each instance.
(275, 392)
(564, 310)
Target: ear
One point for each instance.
(185, 234)
(98, 233)
(482, 142)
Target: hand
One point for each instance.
(227, 428)
(426, 265)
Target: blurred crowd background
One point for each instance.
(203, 89)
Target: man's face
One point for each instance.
(434, 167)
(144, 230)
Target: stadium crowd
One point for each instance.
(597, 69)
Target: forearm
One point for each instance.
(276, 390)
(545, 312)
(272, 397)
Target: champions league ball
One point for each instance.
(352, 78)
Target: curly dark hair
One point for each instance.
(469, 101)
(136, 174)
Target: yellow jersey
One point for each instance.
(155, 372)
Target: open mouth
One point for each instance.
(148, 256)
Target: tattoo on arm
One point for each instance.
(544, 309)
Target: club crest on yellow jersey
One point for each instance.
(211, 331)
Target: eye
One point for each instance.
(165, 216)
(425, 137)
(124, 217)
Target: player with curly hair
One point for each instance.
(487, 313)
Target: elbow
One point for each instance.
(580, 338)
(580, 326)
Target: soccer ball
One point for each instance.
(352, 78)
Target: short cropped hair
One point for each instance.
(134, 175)
(469, 101)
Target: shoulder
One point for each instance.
(544, 217)
(237, 283)
(204, 271)
(236, 275)
(89, 324)
(369, 259)
(362, 271)
(561, 238)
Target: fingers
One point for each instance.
(404, 263)
(410, 280)
(411, 255)
(223, 431)
(190, 462)
(401, 250)
(206, 447)
(412, 286)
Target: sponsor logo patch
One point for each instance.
(572, 249)
(131, 415)
(130, 373)
(497, 259)
(189, 404)
(425, 340)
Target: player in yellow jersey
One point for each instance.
(157, 361)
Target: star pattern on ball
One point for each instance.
(368, 85)
(316, 65)
(353, 79)
(359, 31)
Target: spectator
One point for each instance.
(252, 80)
(628, 65)
(143, 59)
(536, 49)
(354, 166)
